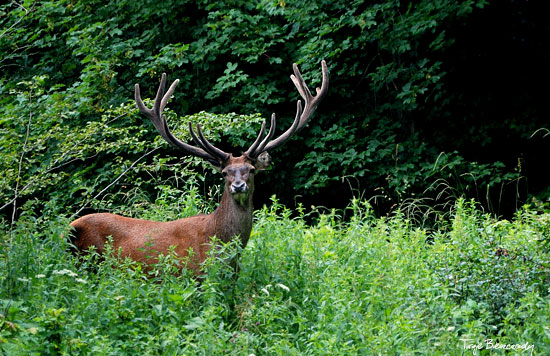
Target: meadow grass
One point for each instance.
(365, 285)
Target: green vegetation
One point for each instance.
(411, 111)
(365, 286)
(425, 116)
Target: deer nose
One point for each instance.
(239, 187)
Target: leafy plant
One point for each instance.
(391, 112)
(334, 287)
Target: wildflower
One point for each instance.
(40, 276)
(282, 286)
(80, 280)
(65, 272)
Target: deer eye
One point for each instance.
(224, 173)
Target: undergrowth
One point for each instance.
(361, 286)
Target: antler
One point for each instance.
(301, 118)
(207, 150)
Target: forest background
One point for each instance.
(428, 101)
(411, 214)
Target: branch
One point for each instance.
(27, 11)
(115, 181)
(18, 21)
(18, 193)
(20, 166)
(541, 129)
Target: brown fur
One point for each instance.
(144, 240)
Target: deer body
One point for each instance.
(141, 240)
(144, 240)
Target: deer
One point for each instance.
(144, 240)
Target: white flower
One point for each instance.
(65, 272)
(40, 276)
(282, 286)
(265, 291)
(80, 280)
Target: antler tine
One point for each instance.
(159, 97)
(195, 151)
(168, 94)
(311, 101)
(266, 144)
(159, 120)
(302, 116)
(300, 84)
(257, 141)
(288, 133)
(270, 133)
(223, 156)
(206, 145)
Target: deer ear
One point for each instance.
(263, 161)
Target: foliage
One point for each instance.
(68, 68)
(494, 263)
(101, 163)
(368, 285)
(397, 126)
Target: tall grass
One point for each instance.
(364, 286)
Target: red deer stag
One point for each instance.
(141, 239)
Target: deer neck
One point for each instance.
(233, 217)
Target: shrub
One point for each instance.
(335, 287)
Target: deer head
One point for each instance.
(237, 171)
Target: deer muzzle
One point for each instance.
(239, 187)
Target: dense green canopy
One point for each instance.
(428, 100)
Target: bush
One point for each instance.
(103, 164)
(393, 107)
(336, 287)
